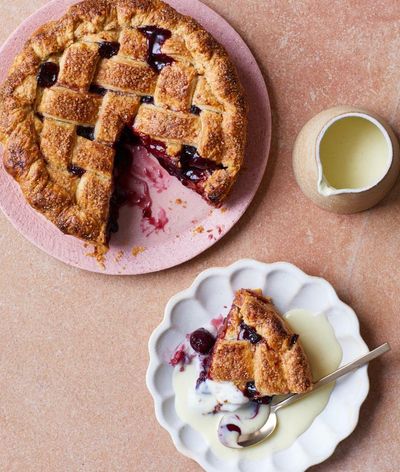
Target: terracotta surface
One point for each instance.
(74, 344)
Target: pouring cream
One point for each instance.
(324, 354)
(355, 153)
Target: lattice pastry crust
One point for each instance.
(257, 346)
(104, 66)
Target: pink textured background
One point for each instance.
(73, 349)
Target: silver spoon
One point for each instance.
(246, 440)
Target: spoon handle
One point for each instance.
(336, 374)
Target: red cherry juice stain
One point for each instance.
(180, 357)
(131, 188)
(218, 321)
(151, 224)
(140, 196)
(145, 166)
(155, 177)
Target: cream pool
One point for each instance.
(324, 354)
(354, 153)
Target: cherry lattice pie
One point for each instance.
(111, 73)
(257, 351)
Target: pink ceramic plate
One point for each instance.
(183, 225)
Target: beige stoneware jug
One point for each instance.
(346, 159)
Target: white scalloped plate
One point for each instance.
(290, 288)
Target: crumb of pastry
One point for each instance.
(198, 230)
(99, 253)
(181, 202)
(118, 256)
(136, 250)
(224, 209)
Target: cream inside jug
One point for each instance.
(355, 153)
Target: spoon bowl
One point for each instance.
(245, 440)
(251, 439)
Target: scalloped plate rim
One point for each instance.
(188, 293)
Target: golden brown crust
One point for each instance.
(57, 141)
(69, 106)
(78, 65)
(275, 360)
(175, 87)
(117, 111)
(133, 45)
(237, 362)
(202, 75)
(126, 76)
(160, 123)
(93, 156)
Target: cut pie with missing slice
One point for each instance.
(109, 74)
(257, 351)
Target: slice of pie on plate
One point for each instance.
(109, 74)
(257, 351)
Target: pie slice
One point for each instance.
(107, 75)
(257, 351)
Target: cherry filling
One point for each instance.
(123, 193)
(108, 49)
(157, 148)
(202, 341)
(205, 367)
(146, 99)
(195, 110)
(233, 427)
(180, 357)
(156, 37)
(86, 132)
(251, 393)
(47, 75)
(75, 170)
(190, 168)
(248, 333)
(194, 167)
(97, 90)
(122, 164)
